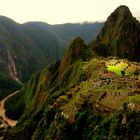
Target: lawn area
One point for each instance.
(117, 70)
(117, 66)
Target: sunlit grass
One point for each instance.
(117, 66)
(117, 70)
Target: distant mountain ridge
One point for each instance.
(26, 48)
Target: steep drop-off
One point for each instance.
(62, 75)
(7, 86)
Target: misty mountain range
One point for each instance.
(26, 48)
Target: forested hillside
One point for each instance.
(26, 48)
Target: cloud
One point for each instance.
(137, 15)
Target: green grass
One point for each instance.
(117, 66)
(135, 99)
(117, 70)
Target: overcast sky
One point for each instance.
(63, 11)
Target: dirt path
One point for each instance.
(5, 120)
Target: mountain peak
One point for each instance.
(122, 9)
(76, 51)
(77, 43)
(121, 13)
(119, 36)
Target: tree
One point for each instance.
(122, 72)
(136, 72)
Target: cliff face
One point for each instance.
(120, 36)
(12, 70)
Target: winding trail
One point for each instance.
(5, 120)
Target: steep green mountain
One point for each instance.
(119, 36)
(61, 74)
(84, 106)
(27, 48)
(19, 55)
(81, 97)
(47, 41)
(77, 98)
(53, 39)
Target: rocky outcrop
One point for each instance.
(12, 67)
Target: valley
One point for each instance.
(91, 93)
(5, 122)
(27, 48)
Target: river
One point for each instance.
(5, 120)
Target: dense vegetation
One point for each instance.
(45, 114)
(78, 97)
(27, 48)
(60, 74)
(7, 86)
